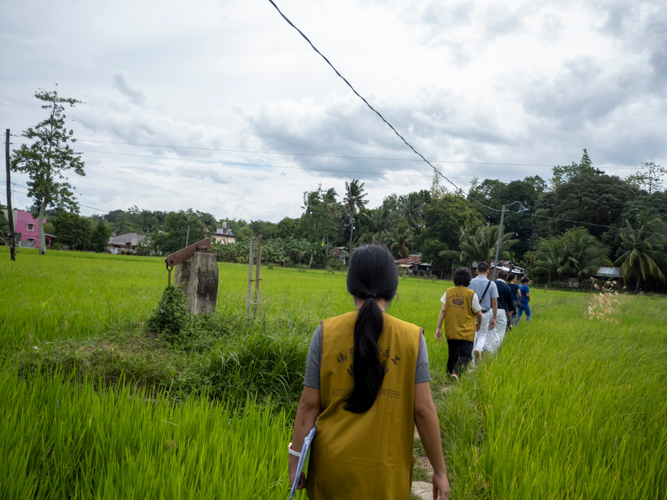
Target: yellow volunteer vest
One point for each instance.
(368, 455)
(459, 318)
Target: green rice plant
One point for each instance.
(61, 440)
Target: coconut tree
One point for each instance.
(584, 253)
(551, 258)
(354, 202)
(645, 247)
(480, 245)
(381, 221)
(411, 211)
(400, 240)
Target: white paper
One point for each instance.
(302, 459)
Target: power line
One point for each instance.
(241, 164)
(317, 155)
(81, 204)
(361, 97)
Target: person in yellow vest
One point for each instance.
(460, 307)
(364, 388)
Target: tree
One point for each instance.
(645, 246)
(73, 230)
(563, 174)
(99, 239)
(4, 225)
(595, 201)
(444, 219)
(354, 202)
(574, 254)
(400, 240)
(175, 231)
(494, 193)
(47, 159)
(381, 222)
(648, 178)
(479, 245)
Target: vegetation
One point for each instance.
(108, 406)
(47, 160)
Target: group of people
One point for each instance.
(367, 381)
(477, 312)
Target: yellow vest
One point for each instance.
(459, 318)
(368, 455)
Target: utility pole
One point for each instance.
(500, 235)
(187, 238)
(10, 212)
(259, 265)
(249, 299)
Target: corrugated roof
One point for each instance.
(122, 239)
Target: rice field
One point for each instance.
(568, 408)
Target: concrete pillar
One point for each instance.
(198, 276)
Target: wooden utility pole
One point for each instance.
(259, 265)
(10, 212)
(250, 259)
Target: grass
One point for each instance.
(568, 408)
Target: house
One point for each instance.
(125, 243)
(507, 265)
(223, 235)
(414, 265)
(26, 225)
(608, 272)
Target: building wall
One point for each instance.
(22, 221)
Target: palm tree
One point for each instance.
(551, 258)
(584, 253)
(411, 211)
(480, 245)
(354, 201)
(645, 248)
(381, 220)
(400, 239)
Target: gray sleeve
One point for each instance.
(493, 291)
(312, 377)
(422, 373)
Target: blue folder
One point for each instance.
(302, 459)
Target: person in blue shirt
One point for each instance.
(524, 303)
(516, 294)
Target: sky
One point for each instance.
(222, 107)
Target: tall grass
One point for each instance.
(59, 440)
(569, 408)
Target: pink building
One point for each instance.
(26, 225)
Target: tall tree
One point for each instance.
(648, 178)
(563, 174)
(645, 246)
(354, 202)
(99, 239)
(48, 158)
(73, 230)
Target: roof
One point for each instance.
(611, 272)
(413, 260)
(122, 239)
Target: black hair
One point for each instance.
(511, 277)
(462, 276)
(371, 275)
(482, 267)
(502, 275)
(525, 279)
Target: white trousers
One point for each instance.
(484, 332)
(497, 335)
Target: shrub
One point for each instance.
(171, 316)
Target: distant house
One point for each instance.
(223, 235)
(414, 265)
(608, 272)
(125, 242)
(26, 225)
(506, 265)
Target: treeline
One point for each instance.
(579, 220)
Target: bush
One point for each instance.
(171, 316)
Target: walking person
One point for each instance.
(488, 299)
(462, 315)
(524, 302)
(516, 294)
(505, 308)
(367, 386)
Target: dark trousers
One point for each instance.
(460, 354)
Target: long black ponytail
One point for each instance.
(371, 275)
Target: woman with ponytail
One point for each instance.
(367, 386)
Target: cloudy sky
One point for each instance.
(187, 104)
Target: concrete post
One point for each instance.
(199, 278)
